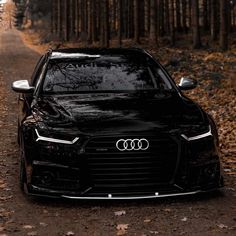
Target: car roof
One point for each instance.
(93, 52)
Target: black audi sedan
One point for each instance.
(112, 124)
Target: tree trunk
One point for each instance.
(223, 25)
(130, 18)
(234, 16)
(77, 16)
(147, 17)
(120, 7)
(190, 13)
(98, 19)
(172, 23)
(184, 16)
(161, 17)
(153, 22)
(105, 23)
(94, 21)
(113, 16)
(102, 28)
(136, 21)
(195, 24)
(71, 19)
(178, 18)
(167, 16)
(125, 11)
(89, 23)
(66, 34)
(59, 19)
(213, 20)
(54, 17)
(205, 15)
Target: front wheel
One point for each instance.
(22, 175)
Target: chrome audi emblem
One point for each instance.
(132, 144)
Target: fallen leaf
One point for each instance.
(122, 229)
(120, 213)
(28, 227)
(33, 233)
(167, 210)
(5, 198)
(43, 224)
(70, 233)
(184, 219)
(147, 221)
(222, 226)
(3, 185)
(121, 232)
(153, 232)
(122, 226)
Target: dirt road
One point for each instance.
(212, 214)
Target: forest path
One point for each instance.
(210, 214)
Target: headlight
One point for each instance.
(54, 140)
(200, 136)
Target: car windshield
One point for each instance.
(104, 74)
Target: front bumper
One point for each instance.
(182, 168)
(200, 180)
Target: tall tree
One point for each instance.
(113, 15)
(195, 24)
(172, 23)
(160, 10)
(213, 20)
(190, 13)
(104, 33)
(106, 24)
(90, 21)
(167, 17)
(54, 17)
(147, 17)
(59, 18)
(94, 21)
(120, 8)
(66, 21)
(153, 22)
(71, 23)
(177, 15)
(205, 15)
(77, 16)
(223, 24)
(184, 16)
(136, 21)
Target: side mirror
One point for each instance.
(187, 83)
(22, 86)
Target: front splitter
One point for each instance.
(110, 197)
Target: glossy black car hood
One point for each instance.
(117, 113)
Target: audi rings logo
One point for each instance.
(132, 144)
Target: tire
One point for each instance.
(22, 175)
(18, 133)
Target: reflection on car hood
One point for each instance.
(112, 113)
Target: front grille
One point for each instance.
(133, 171)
